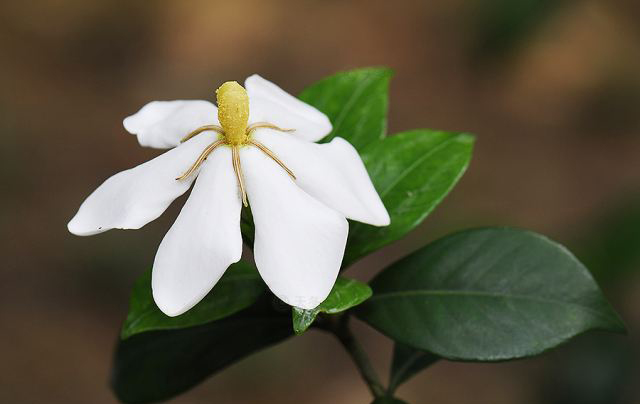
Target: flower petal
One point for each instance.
(161, 124)
(299, 242)
(269, 103)
(204, 240)
(331, 172)
(134, 197)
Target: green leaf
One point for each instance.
(487, 295)
(158, 365)
(238, 288)
(356, 102)
(346, 293)
(412, 171)
(407, 362)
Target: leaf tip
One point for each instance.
(125, 333)
(467, 137)
(619, 326)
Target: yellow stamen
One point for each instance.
(233, 112)
(201, 129)
(267, 125)
(269, 153)
(237, 168)
(201, 159)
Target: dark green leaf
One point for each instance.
(356, 102)
(487, 295)
(407, 362)
(412, 171)
(346, 293)
(157, 365)
(238, 288)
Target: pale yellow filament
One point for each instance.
(267, 125)
(201, 129)
(237, 168)
(269, 153)
(201, 159)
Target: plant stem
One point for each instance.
(342, 331)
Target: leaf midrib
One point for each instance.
(494, 295)
(416, 163)
(354, 96)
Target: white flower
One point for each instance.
(260, 148)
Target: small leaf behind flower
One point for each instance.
(355, 101)
(412, 171)
(346, 293)
(238, 288)
(487, 295)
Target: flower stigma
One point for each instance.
(233, 114)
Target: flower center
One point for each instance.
(233, 112)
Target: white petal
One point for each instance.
(134, 197)
(161, 124)
(331, 172)
(270, 103)
(299, 242)
(204, 240)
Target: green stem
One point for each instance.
(342, 331)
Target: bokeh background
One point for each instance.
(550, 87)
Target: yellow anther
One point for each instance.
(233, 112)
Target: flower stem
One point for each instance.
(342, 331)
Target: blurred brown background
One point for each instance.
(551, 88)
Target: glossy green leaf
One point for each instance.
(487, 294)
(407, 362)
(346, 293)
(412, 171)
(356, 102)
(157, 365)
(238, 288)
